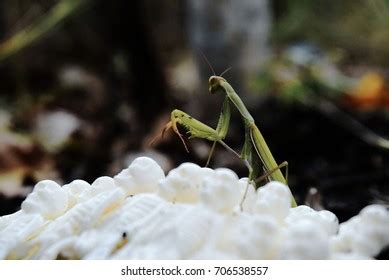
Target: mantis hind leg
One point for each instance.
(283, 164)
(211, 153)
(249, 180)
(244, 194)
(270, 172)
(265, 176)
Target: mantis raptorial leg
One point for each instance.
(255, 152)
(197, 129)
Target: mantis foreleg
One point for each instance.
(197, 129)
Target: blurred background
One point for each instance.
(86, 84)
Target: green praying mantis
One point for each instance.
(255, 152)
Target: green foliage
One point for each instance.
(360, 27)
(62, 10)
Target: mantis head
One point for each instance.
(214, 83)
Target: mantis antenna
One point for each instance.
(225, 71)
(210, 65)
(207, 61)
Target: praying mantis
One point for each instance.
(255, 152)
